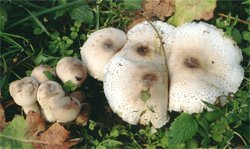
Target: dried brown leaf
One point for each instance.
(55, 138)
(2, 118)
(158, 8)
(35, 123)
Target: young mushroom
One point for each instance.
(71, 69)
(203, 65)
(55, 105)
(24, 93)
(46, 94)
(39, 73)
(136, 79)
(99, 48)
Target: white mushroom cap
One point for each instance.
(67, 112)
(55, 105)
(126, 80)
(24, 91)
(71, 69)
(99, 48)
(38, 73)
(48, 91)
(204, 64)
(150, 32)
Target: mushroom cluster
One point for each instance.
(156, 68)
(53, 103)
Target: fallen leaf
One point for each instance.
(14, 135)
(158, 8)
(2, 118)
(55, 137)
(189, 10)
(35, 123)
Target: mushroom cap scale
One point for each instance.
(99, 48)
(71, 69)
(124, 82)
(24, 91)
(203, 52)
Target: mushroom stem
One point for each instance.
(33, 107)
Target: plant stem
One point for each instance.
(233, 18)
(242, 139)
(78, 2)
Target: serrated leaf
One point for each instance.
(182, 129)
(189, 10)
(3, 18)
(14, 134)
(82, 14)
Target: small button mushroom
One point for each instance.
(68, 110)
(46, 94)
(83, 116)
(39, 73)
(203, 65)
(99, 48)
(78, 95)
(24, 93)
(71, 69)
(55, 105)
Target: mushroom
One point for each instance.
(203, 65)
(46, 94)
(39, 73)
(55, 105)
(99, 48)
(67, 109)
(71, 69)
(24, 93)
(136, 78)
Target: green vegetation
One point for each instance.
(42, 32)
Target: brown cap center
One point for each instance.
(191, 62)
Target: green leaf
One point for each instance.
(3, 18)
(132, 4)
(49, 75)
(110, 143)
(246, 36)
(236, 35)
(82, 14)
(145, 95)
(247, 50)
(182, 129)
(189, 10)
(212, 115)
(14, 134)
(69, 86)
